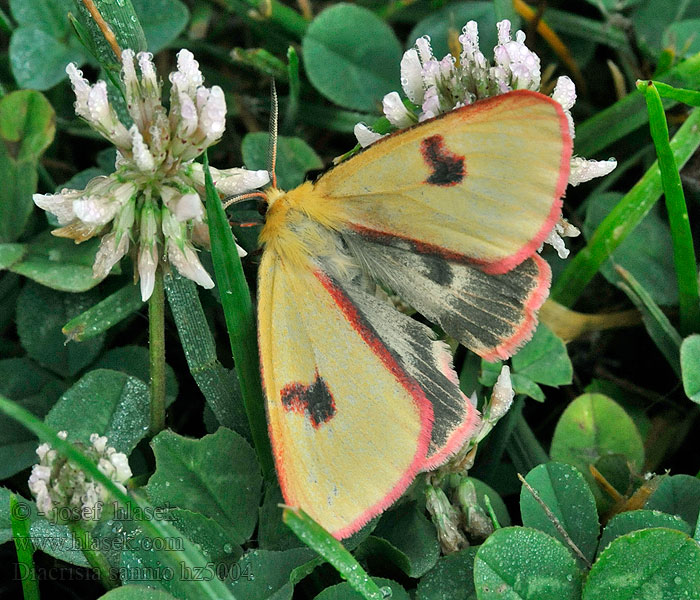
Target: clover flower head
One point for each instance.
(64, 492)
(151, 206)
(434, 87)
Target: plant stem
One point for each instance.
(156, 350)
(96, 559)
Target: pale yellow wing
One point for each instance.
(349, 427)
(480, 184)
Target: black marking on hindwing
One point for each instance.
(314, 400)
(437, 269)
(448, 168)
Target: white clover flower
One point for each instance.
(396, 112)
(502, 395)
(63, 492)
(439, 86)
(583, 170)
(561, 230)
(155, 177)
(365, 136)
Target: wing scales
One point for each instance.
(490, 314)
(429, 362)
(345, 470)
(516, 150)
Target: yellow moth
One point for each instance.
(448, 214)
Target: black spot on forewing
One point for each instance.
(448, 168)
(314, 400)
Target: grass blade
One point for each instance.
(240, 321)
(629, 114)
(290, 116)
(25, 550)
(629, 212)
(105, 314)
(219, 385)
(683, 249)
(124, 23)
(317, 538)
(665, 336)
(689, 97)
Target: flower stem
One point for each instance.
(156, 350)
(96, 559)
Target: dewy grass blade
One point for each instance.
(627, 115)
(317, 538)
(25, 550)
(240, 321)
(629, 212)
(218, 384)
(123, 22)
(47, 434)
(664, 335)
(174, 558)
(683, 248)
(106, 313)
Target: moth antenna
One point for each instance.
(233, 199)
(272, 149)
